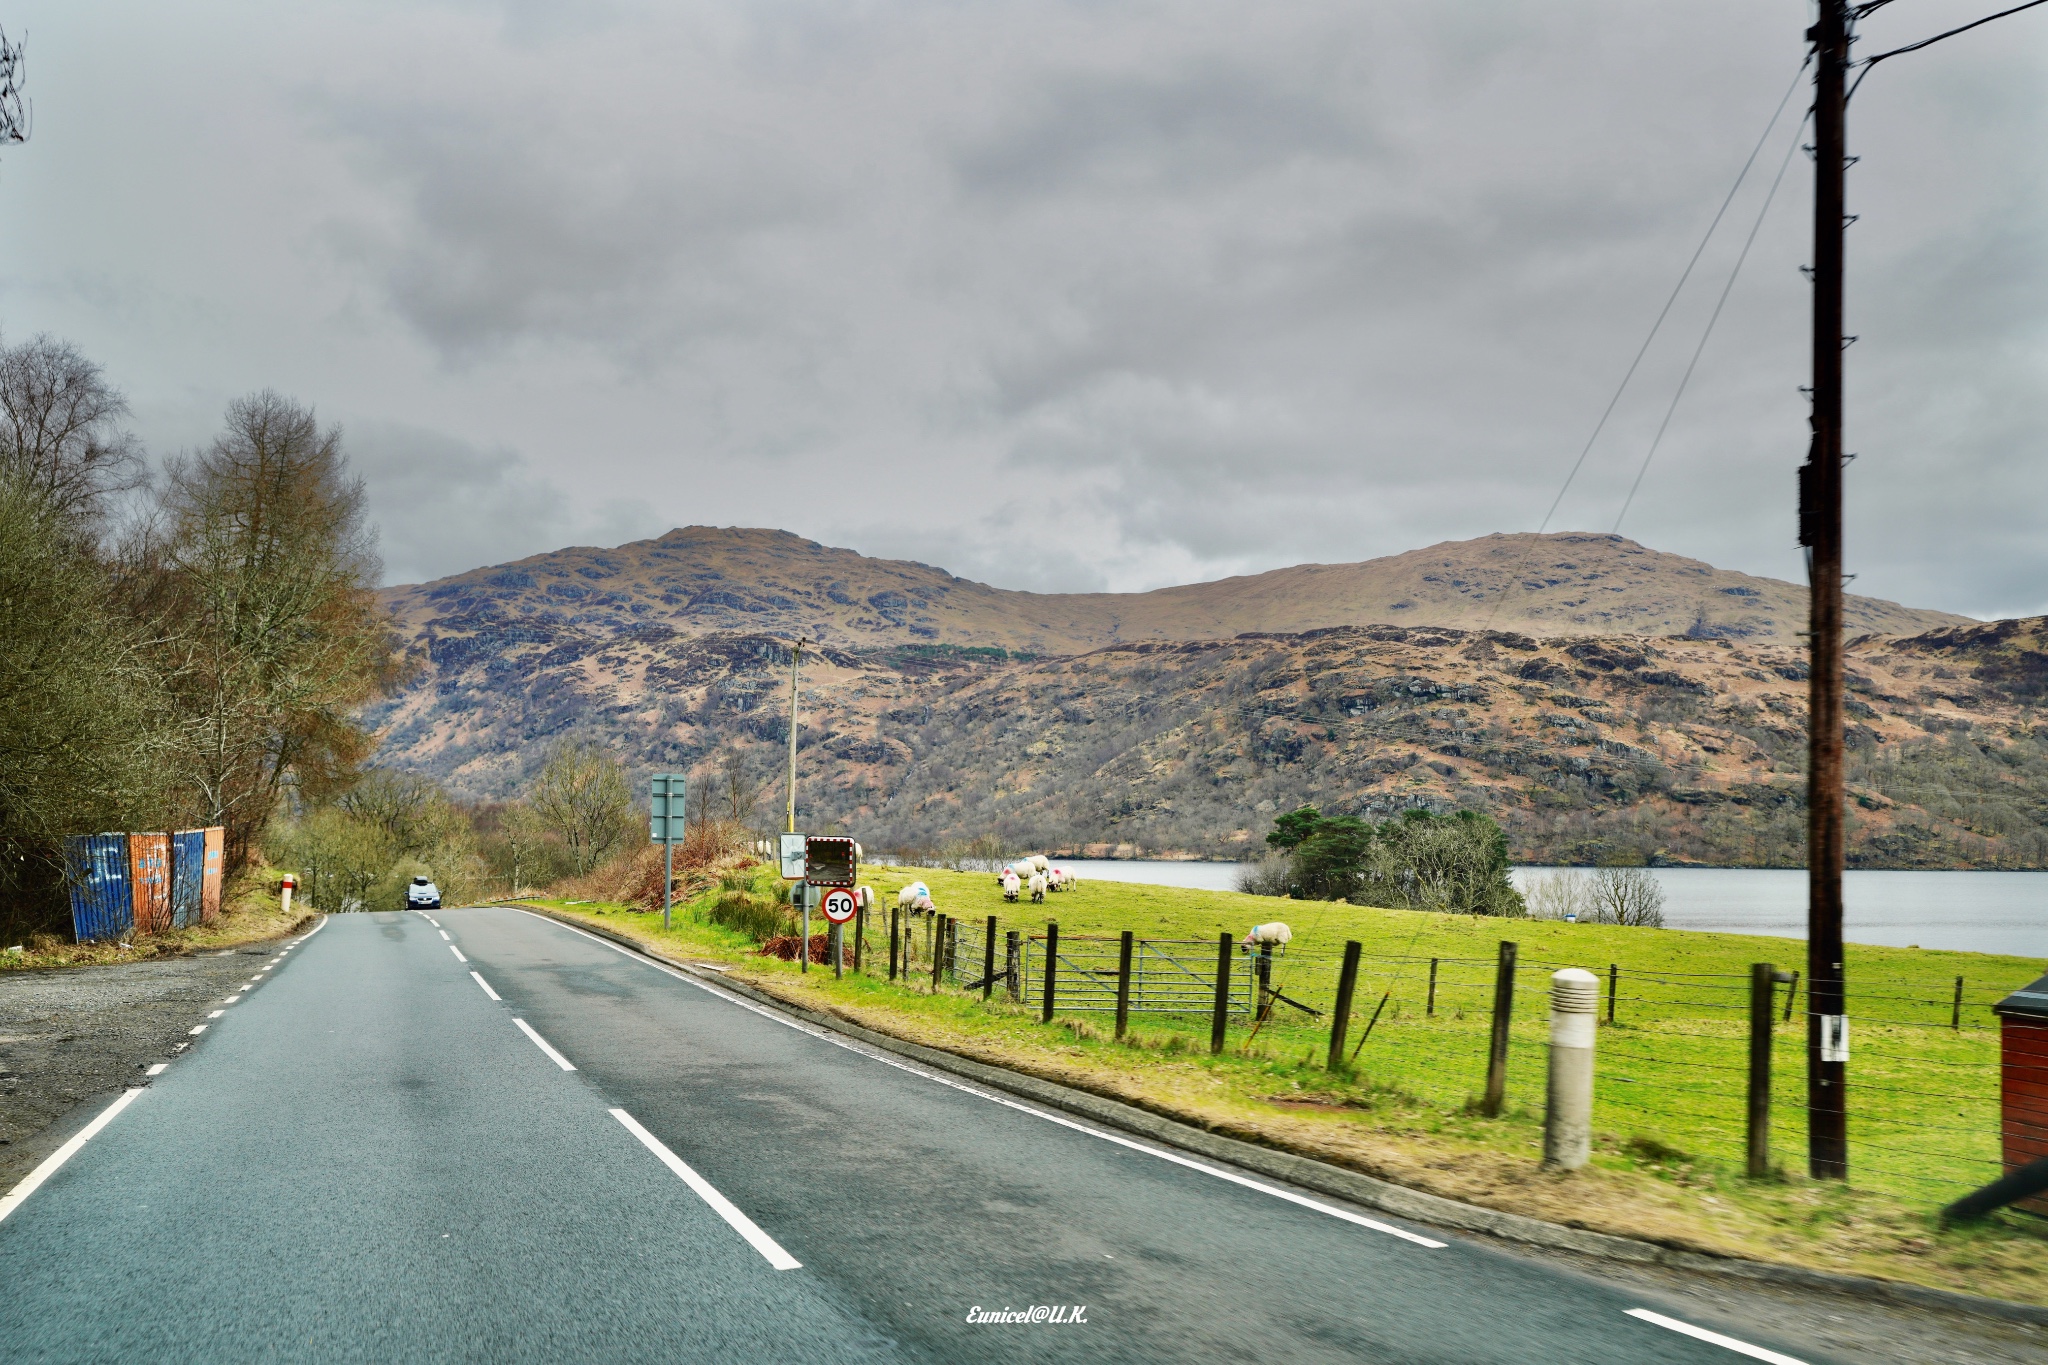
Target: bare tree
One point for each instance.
(264, 581)
(60, 437)
(742, 788)
(581, 794)
(15, 111)
(1627, 895)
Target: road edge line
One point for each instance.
(770, 1249)
(1726, 1343)
(1324, 1178)
(52, 1163)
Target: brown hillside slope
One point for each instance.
(705, 580)
(1675, 748)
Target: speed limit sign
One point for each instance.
(839, 905)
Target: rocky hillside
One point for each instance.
(702, 580)
(1679, 746)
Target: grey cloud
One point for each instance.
(1074, 295)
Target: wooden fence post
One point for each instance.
(1613, 979)
(895, 925)
(1790, 994)
(1430, 1011)
(1762, 982)
(988, 960)
(1955, 1015)
(1123, 987)
(1503, 1015)
(1220, 1022)
(1052, 962)
(938, 950)
(860, 931)
(1347, 983)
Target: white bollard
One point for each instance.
(285, 889)
(1568, 1115)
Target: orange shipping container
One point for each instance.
(149, 873)
(209, 890)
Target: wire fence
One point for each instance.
(1673, 1052)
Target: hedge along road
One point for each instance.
(482, 1135)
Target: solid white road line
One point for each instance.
(1220, 1173)
(557, 1058)
(723, 1207)
(458, 953)
(487, 987)
(12, 1199)
(1726, 1343)
(159, 1069)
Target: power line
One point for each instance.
(1726, 289)
(1655, 327)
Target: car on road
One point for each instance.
(422, 894)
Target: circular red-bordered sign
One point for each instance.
(839, 905)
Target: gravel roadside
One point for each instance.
(71, 1038)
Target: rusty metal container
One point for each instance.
(188, 877)
(149, 882)
(96, 872)
(210, 878)
(2023, 1080)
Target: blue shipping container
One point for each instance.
(102, 904)
(188, 876)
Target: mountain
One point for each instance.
(951, 713)
(701, 580)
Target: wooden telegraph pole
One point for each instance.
(1820, 531)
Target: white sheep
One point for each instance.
(1276, 932)
(1009, 884)
(865, 898)
(906, 898)
(1037, 861)
(922, 906)
(1038, 888)
(1055, 879)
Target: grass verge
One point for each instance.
(249, 914)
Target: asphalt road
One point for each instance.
(377, 1155)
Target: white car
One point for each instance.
(422, 895)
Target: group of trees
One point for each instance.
(1423, 861)
(358, 849)
(185, 646)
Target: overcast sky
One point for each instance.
(1058, 296)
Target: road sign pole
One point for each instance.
(668, 879)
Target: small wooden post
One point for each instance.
(1762, 979)
(988, 960)
(1430, 1011)
(1013, 965)
(1503, 1015)
(1613, 979)
(1265, 991)
(895, 936)
(1220, 1021)
(938, 951)
(1052, 967)
(1790, 994)
(1123, 987)
(1347, 984)
(1955, 1014)
(860, 929)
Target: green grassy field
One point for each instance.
(1669, 1144)
(1673, 1066)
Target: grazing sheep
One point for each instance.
(1038, 888)
(1276, 932)
(1055, 880)
(906, 898)
(1037, 861)
(1009, 884)
(922, 906)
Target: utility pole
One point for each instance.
(796, 657)
(1820, 531)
